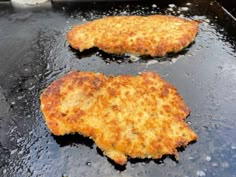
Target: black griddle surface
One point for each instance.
(34, 52)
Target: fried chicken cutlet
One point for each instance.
(154, 35)
(126, 116)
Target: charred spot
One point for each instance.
(115, 107)
(164, 92)
(63, 114)
(97, 82)
(70, 87)
(161, 112)
(167, 108)
(112, 92)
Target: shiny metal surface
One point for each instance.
(34, 52)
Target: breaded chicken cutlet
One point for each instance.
(154, 35)
(126, 116)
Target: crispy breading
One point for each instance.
(137, 116)
(154, 35)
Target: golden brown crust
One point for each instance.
(154, 35)
(137, 116)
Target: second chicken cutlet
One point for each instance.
(126, 116)
(154, 35)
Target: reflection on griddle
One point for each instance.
(77, 139)
(126, 58)
(73, 139)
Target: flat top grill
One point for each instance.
(34, 52)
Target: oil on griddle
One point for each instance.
(37, 53)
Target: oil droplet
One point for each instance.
(140, 173)
(201, 173)
(170, 9)
(13, 151)
(225, 165)
(133, 165)
(188, 122)
(191, 158)
(214, 164)
(184, 8)
(19, 140)
(151, 62)
(89, 164)
(143, 163)
(19, 97)
(154, 6)
(208, 158)
(233, 147)
(171, 5)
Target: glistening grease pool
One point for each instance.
(34, 52)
